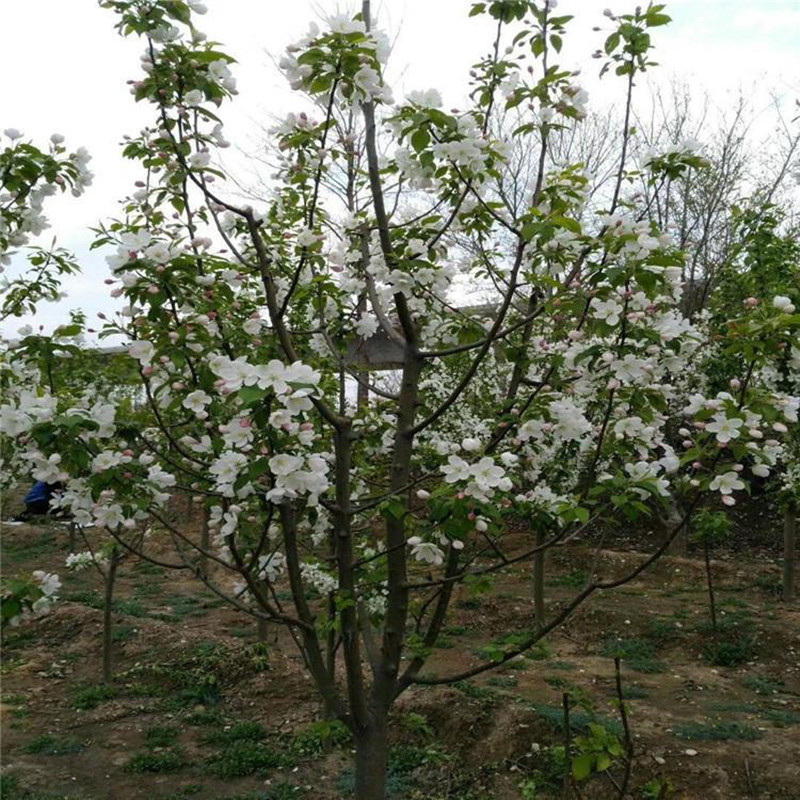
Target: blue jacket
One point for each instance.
(40, 491)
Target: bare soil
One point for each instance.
(184, 660)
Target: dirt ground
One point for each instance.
(715, 716)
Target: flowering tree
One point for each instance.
(572, 397)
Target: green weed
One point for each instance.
(763, 685)
(717, 731)
(638, 654)
(90, 697)
(49, 745)
(243, 757)
(161, 736)
(320, 737)
(171, 760)
(241, 732)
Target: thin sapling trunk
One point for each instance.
(108, 599)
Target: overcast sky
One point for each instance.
(65, 70)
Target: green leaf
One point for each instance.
(582, 767)
(394, 508)
(250, 395)
(612, 43)
(420, 139)
(654, 20)
(603, 762)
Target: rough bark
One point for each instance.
(789, 553)
(108, 599)
(710, 582)
(372, 758)
(538, 580)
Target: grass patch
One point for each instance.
(496, 651)
(731, 651)
(49, 745)
(662, 629)
(782, 717)
(770, 585)
(632, 692)
(717, 731)
(149, 589)
(198, 718)
(91, 696)
(11, 790)
(281, 791)
(574, 580)
(400, 779)
(763, 685)
(638, 654)
(123, 633)
(320, 737)
(456, 630)
(503, 681)
(187, 791)
(86, 597)
(203, 717)
(170, 760)
(18, 640)
(241, 732)
(578, 720)
(147, 568)
(161, 736)
(129, 606)
(242, 758)
(476, 692)
(142, 690)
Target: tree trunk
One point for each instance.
(372, 759)
(71, 543)
(205, 542)
(538, 581)
(709, 579)
(108, 598)
(680, 544)
(789, 553)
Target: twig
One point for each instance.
(623, 713)
(565, 792)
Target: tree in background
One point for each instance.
(241, 320)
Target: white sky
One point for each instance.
(66, 69)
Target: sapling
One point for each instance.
(239, 321)
(711, 528)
